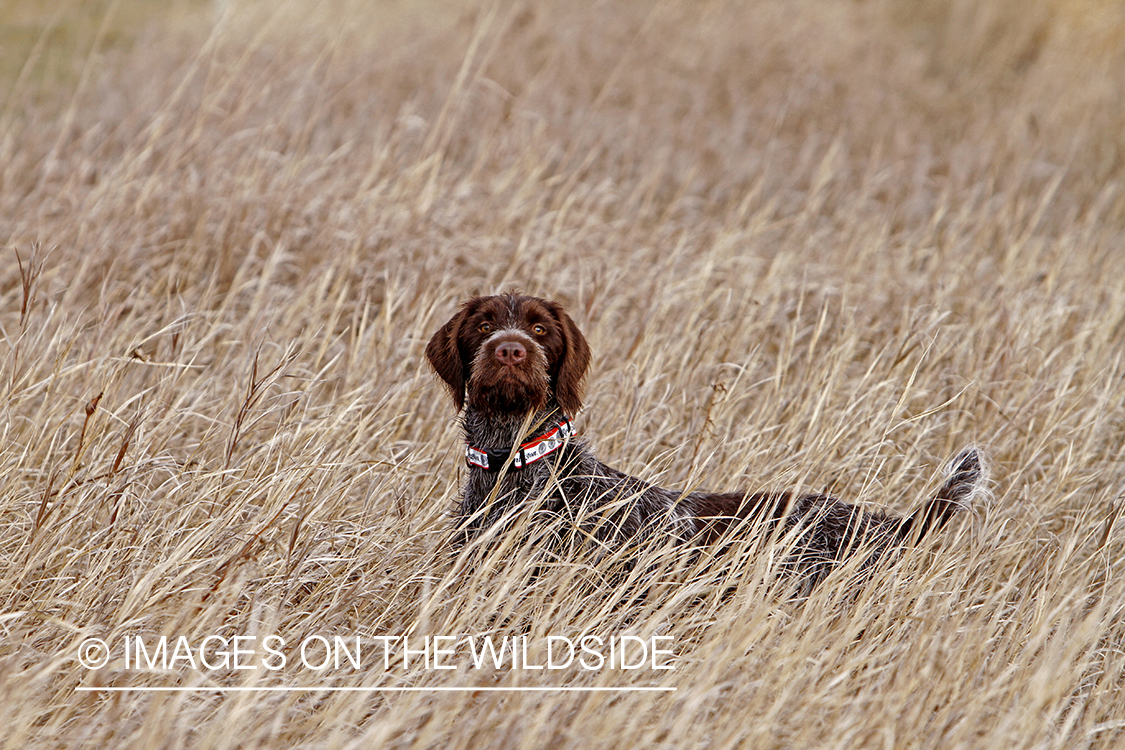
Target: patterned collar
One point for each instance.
(528, 453)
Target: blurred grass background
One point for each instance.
(812, 244)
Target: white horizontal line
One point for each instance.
(314, 688)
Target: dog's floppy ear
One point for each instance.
(572, 367)
(445, 356)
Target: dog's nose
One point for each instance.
(511, 352)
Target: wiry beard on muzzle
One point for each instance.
(498, 388)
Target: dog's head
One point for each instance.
(511, 353)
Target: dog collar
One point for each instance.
(527, 453)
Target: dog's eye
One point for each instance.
(485, 328)
(538, 329)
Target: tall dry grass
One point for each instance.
(812, 244)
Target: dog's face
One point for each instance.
(511, 354)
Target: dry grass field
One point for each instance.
(813, 243)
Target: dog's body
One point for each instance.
(516, 365)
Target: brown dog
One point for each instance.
(513, 361)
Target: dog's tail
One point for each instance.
(967, 480)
